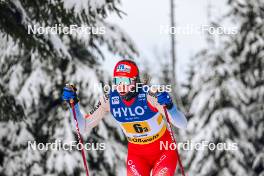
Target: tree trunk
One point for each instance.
(174, 82)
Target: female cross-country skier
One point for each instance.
(140, 114)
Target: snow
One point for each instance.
(225, 102)
(22, 10)
(28, 93)
(36, 170)
(102, 131)
(85, 5)
(24, 136)
(58, 45)
(96, 4)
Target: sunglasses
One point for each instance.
(124, 80)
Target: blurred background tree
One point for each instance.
(34, 69)
(226, 93)
(9, 108)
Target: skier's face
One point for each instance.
(124, 84)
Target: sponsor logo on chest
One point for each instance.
(128, 112)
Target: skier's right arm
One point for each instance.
(98, 112)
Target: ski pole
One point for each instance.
(173, 139)
(79, 136)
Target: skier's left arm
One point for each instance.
(176, 116)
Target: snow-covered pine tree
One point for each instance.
(34, 69)
(7, 112)
(227, 93)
